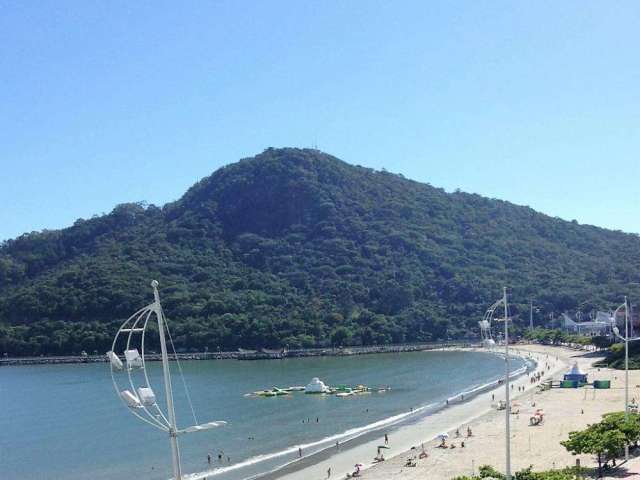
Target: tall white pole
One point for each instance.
(626, 370)
(173, 435)
(508, 409)
(626, 360)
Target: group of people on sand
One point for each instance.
(443, 440)
(380, 456)
(413, 460)
(536, 377)
(356, 473)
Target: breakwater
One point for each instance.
(244, 354)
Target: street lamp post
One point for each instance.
(626, 341)
(506, 383)
(485, 328)
(139, 397)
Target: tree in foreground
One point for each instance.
(487, 472)
(603, 439)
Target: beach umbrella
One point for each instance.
(443, 435)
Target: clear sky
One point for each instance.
(107, 102)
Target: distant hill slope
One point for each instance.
(295, 247)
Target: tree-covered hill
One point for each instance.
(295, 247)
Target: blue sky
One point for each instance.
(537, 103)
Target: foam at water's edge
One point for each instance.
(330, 440)
(354, 433)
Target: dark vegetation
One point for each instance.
(605, 439)
(295, 247)
(615, 356)
(487, 472)
(556, 336)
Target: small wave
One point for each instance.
(357, 431)
(348, 434)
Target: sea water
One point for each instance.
(66, 421)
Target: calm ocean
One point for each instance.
(66, 422)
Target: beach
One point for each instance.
(565, 410)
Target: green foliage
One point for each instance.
(296, 247)
(615, 357)
(555, 336)
(606, 438)
(489, 473)
(603, 341)
(486, 471)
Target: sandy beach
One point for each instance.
(402, 439)
(565, 410)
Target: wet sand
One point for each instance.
(404, 438)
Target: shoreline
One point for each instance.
(299, 467)
(565, 410)
(245, 355)
(405, 439)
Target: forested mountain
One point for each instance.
(295, 247)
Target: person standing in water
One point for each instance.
(300, 451)
(209, 458)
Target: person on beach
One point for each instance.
(469, 432)
(423, 454)
(300, 451)
(337, 445)
(457, 432)
(329, 472)
(209, 458)
(386, 439)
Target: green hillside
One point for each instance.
(295, 247)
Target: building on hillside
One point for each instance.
(600, 325)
